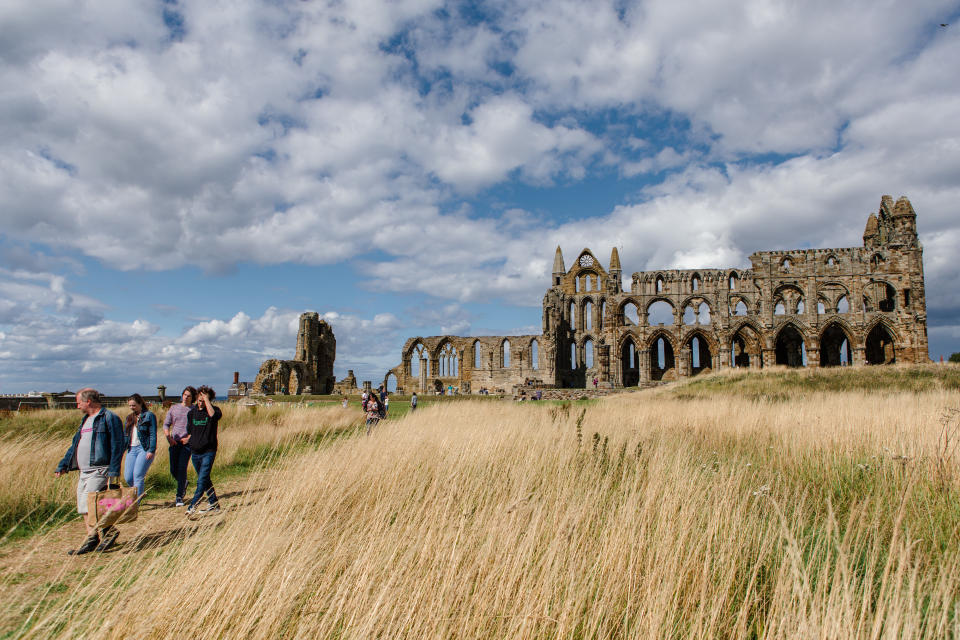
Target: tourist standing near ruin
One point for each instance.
(201, 437)
(96, 452)
(413, 402)
(373, 413)
(175, 428)
(140, 442)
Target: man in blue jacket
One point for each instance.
(96, 452)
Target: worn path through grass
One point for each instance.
(40, 564)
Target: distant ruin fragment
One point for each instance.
(311, 370)
(805, 307)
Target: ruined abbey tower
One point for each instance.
(311, 370)
(805, 307)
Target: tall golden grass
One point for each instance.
(29, 458)
(638, 516)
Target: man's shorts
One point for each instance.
(91, 481)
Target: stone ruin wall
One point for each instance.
(807, 307)
(470, 364)
(311, 370)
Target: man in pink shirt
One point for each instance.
(175, 428)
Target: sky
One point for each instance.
(180, 179)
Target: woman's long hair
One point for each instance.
(140, 401)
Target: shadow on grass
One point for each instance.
(191, 526)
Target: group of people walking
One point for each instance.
(102, 442)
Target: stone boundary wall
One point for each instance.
(27, 403)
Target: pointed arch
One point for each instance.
(448, 360)
(505, 353)
(477, 354)
(701, 355)
(535, 354)
(733, 281)
(661, 352)
(790, 346)
(745, 346)
(629, 312)
(417, 356)
(390, 382)
(588, 355)
(880, 345)
(629, 361)
(835, 345)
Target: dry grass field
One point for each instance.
(768, 506)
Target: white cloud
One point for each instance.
(351, 132)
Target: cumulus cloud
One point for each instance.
(161, 135)
(48, 345)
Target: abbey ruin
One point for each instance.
(805, 307)
(311, 370)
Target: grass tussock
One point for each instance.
(638, 516)
(33, 443)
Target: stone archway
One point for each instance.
(789, 348)
(880, 347)
(630, 363)
(662, 361)
(745, 348)
(835, 347)
(700, 357)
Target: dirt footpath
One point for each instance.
(40, 564)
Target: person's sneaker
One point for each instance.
(190, 511)
(179, 502)
(109, 538)
(88, 545)
(213, 508)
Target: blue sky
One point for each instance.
(180, 180)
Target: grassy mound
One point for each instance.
(778, 383)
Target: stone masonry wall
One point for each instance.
(807, 307)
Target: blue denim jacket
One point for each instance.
(146, 430)
(106, 448)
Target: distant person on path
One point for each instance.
(97, 452)
(201, 437)
(373, 413)
(175, 428)
(386, 405)
(140, 442)
(413, 402)
(344, 403)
